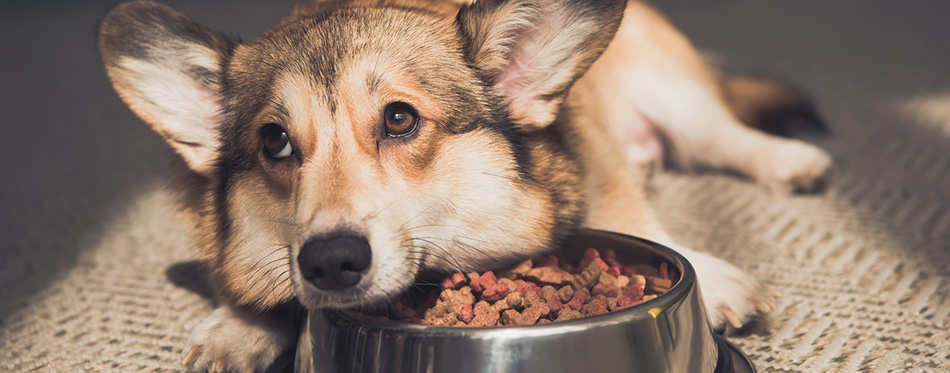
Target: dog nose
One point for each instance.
(335, 262)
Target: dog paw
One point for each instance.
(731, 296)
(794, 166)
(232, 340)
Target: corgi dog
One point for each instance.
(360, 143)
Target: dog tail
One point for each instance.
(771, 105)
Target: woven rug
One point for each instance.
(94, 264)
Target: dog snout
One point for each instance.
(335, 262)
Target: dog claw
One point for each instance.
(774, 293)
(191, 356)
(731, 317)
(219, 366)
(252, 365)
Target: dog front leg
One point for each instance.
(238, 340)
(617, 202)
(730, 294)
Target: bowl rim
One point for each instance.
(678, 291)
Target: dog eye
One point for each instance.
(276, 142)
(401, 119)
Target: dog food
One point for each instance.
(535, 293)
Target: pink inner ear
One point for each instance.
(524, 63)
(541, 59)
(524, 56)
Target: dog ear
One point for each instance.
(532, 51)
(168, 68)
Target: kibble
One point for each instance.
(536, 292)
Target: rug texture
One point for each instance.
(96, 270)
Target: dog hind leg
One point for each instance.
(658, 72)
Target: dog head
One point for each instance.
(353, 146)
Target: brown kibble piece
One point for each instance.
(612, 302)
(517, 271)
(606, 285)
(455, 281)
(555, 306)
(592, 256)
(514, 300)
(535, 301)
(525, 287)
(589, 255)
(495, 292)
(622, 281)
(509, 283)
(528, 316)
(580, 297)
(614, 271)
(610, 290)
(549, 275)
(565, 293)
(597, 306)
(588, 277)
(484, 281)
(510, 317)
(531, 315)
(501, 305)
(467, 314)
(461, 296)
(568, 314)
(633, 294)
(607, 279)
(449, 305)
(472, 276)
(657, 285)
(484, 315)
(532, 299)
(639, 280)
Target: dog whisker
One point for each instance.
(447, 258)
(258, 266)
(286, 222)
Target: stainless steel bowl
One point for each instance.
(670, 333)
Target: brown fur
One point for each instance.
(769, 104)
